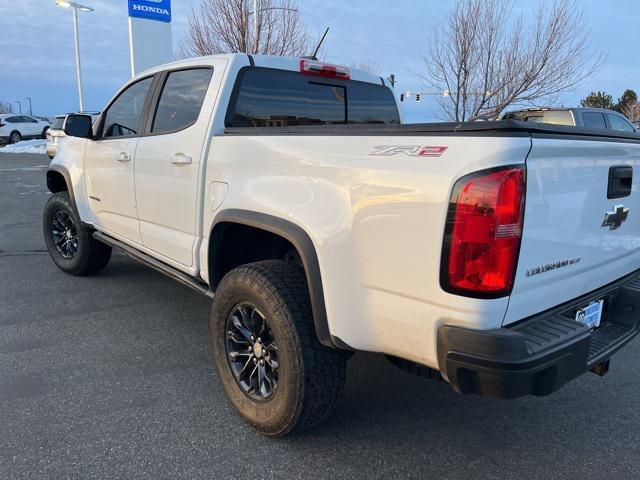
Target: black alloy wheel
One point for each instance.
(69, 242)
(252, 352)
(65, 235)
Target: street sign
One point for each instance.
(159, 10)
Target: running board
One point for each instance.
(161, 267)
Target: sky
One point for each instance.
(37, 56)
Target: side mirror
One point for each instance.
(78, 126)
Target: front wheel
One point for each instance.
(44, 132)
(274, 370)
(70, 244)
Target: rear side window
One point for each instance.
(12, 119)
(593, 120)
(181, 99)
(279, 98)
(619, 123)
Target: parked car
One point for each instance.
(14, 128)
(600, 118)
(56, 132)
(288, 192)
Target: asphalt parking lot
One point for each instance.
(110, 376)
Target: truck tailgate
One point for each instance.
(576, 236)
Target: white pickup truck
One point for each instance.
(502, 257)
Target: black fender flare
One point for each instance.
(59, 169)
(305, 247)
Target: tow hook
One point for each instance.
(601, 369)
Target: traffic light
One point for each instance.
(417, 97)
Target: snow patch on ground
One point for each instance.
(26, 146)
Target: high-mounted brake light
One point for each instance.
(482, 238)
(311, 67)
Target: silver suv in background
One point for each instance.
(600, 118)
(56, 132)
(14, 128)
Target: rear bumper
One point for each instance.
(540, 354)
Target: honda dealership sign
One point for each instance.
(150, 39)
(152, 9)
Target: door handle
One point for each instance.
(181, 159)
(123, 157)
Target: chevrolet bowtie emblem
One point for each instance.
(615, 218)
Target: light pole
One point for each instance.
(76, 6)
(19, 105)
(30, 108)
(256, 13)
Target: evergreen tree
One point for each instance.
(598, 100)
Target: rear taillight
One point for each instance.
(482, 238)
(311, 67)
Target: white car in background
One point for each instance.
(56, 132)
(14, 128)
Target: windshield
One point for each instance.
(58, 123)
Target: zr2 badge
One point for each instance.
(409, 150)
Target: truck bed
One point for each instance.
(394, 206)
(499, 128)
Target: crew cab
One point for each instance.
(502, 257)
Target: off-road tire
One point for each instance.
(311, 376)
(91, 255)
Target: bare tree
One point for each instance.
(631, 111)
(483, 60)
(227, 26)
(369, 66)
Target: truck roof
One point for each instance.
(266, 61)
(562, 109)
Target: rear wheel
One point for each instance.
(15, 137)
(274, 370)
(70, 244)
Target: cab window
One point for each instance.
(122, 119)
(266, 97)
(181, 99)
(593, 120)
